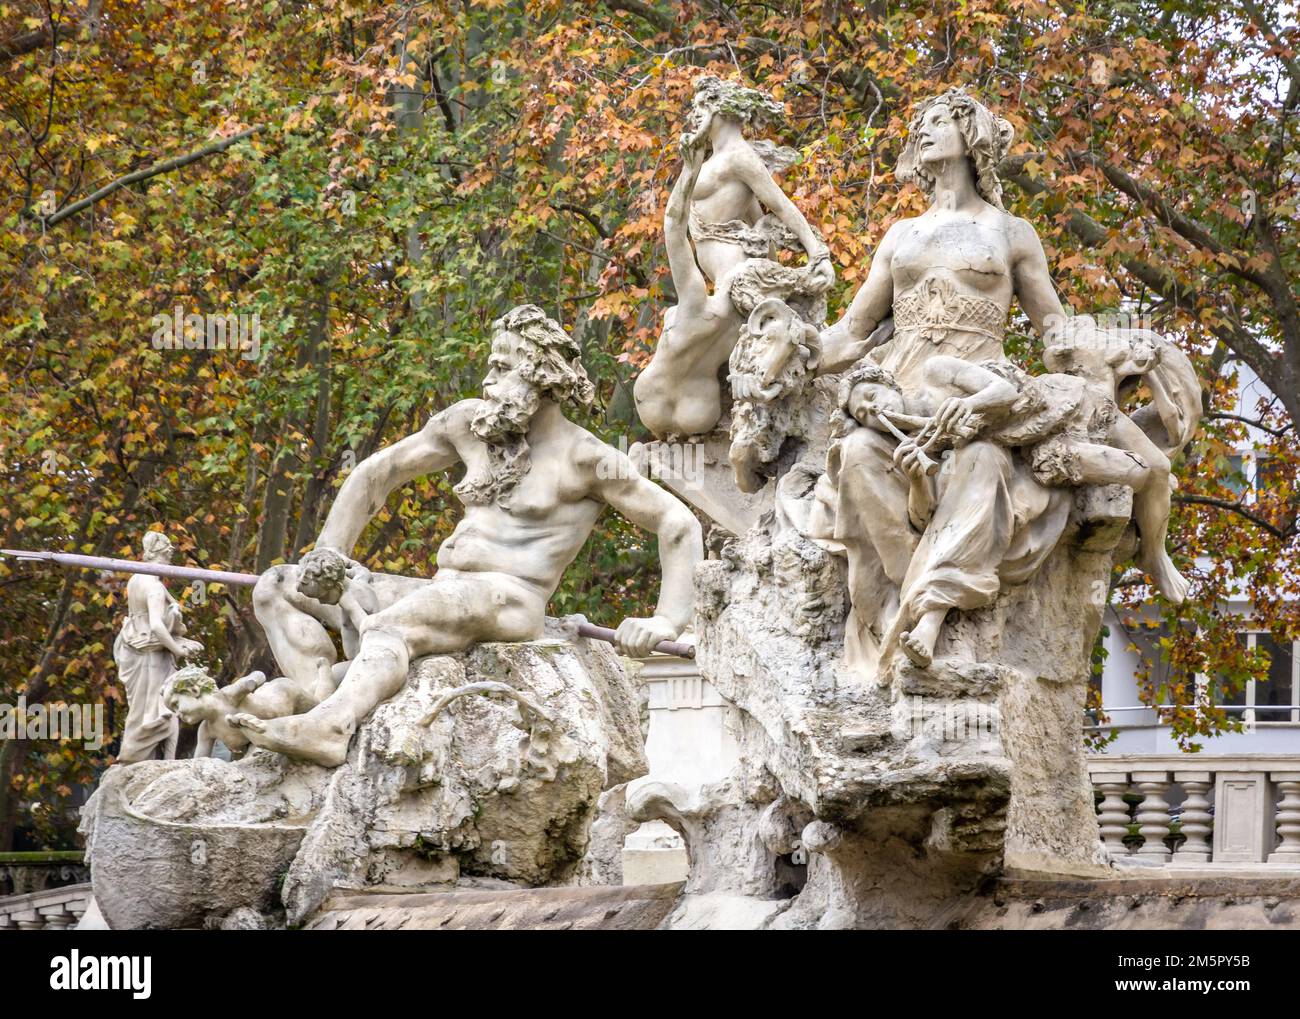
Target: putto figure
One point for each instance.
(533, 487)
(150, 642)
(194, 695)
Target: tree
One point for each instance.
(373, 184)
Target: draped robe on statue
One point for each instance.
(993, 523)
(144, 664)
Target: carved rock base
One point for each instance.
(891, 801)
(483, 793)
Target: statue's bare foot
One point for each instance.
(916, 650)
(1172, 584)
(298, 736)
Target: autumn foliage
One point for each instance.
(404, 173)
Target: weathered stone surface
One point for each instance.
(631, 907)
(906, 795)
(484, 790)
(1211, 902)
(158, 859)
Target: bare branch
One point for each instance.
(653, 16)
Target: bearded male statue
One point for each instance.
(534, 485)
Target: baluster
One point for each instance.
(1288, 819)
(57, 917)
(1113, 811)
(1196, 817)
(1153, 814)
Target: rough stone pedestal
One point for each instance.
(890, 801)
(483, 794)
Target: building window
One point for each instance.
(1275, 698)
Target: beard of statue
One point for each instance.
(503, 425)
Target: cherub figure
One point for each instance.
(326, 587)
(917, 548)
(1070, 431)
(194, 695)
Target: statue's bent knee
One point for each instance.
(379, 640)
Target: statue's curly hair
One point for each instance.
(551, 359)
(326, 564)
(731, 99)
(868, 372)
(987, 137)
(865, 371)
(191, 679)
(155, 546)
(550, 363)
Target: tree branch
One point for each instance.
(653, 16)
(1282, 533)
(1224, 416)
(150, 171)
(586, 214)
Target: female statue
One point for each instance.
(947, 277)
(718, 203)
(152, 638)
(735, 184)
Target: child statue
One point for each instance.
(194, 695)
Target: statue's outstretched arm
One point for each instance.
(681, 543)
(373, 480)
(856, 333)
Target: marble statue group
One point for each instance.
(910, 481)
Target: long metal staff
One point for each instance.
(93, 562)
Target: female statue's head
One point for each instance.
(715, 97)
(955, 126)
(156, 547)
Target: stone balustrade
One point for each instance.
(48, 909)
(1193, 810)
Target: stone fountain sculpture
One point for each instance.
(906, 630)
(466, 737)
(915, 544)
(721, 248)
